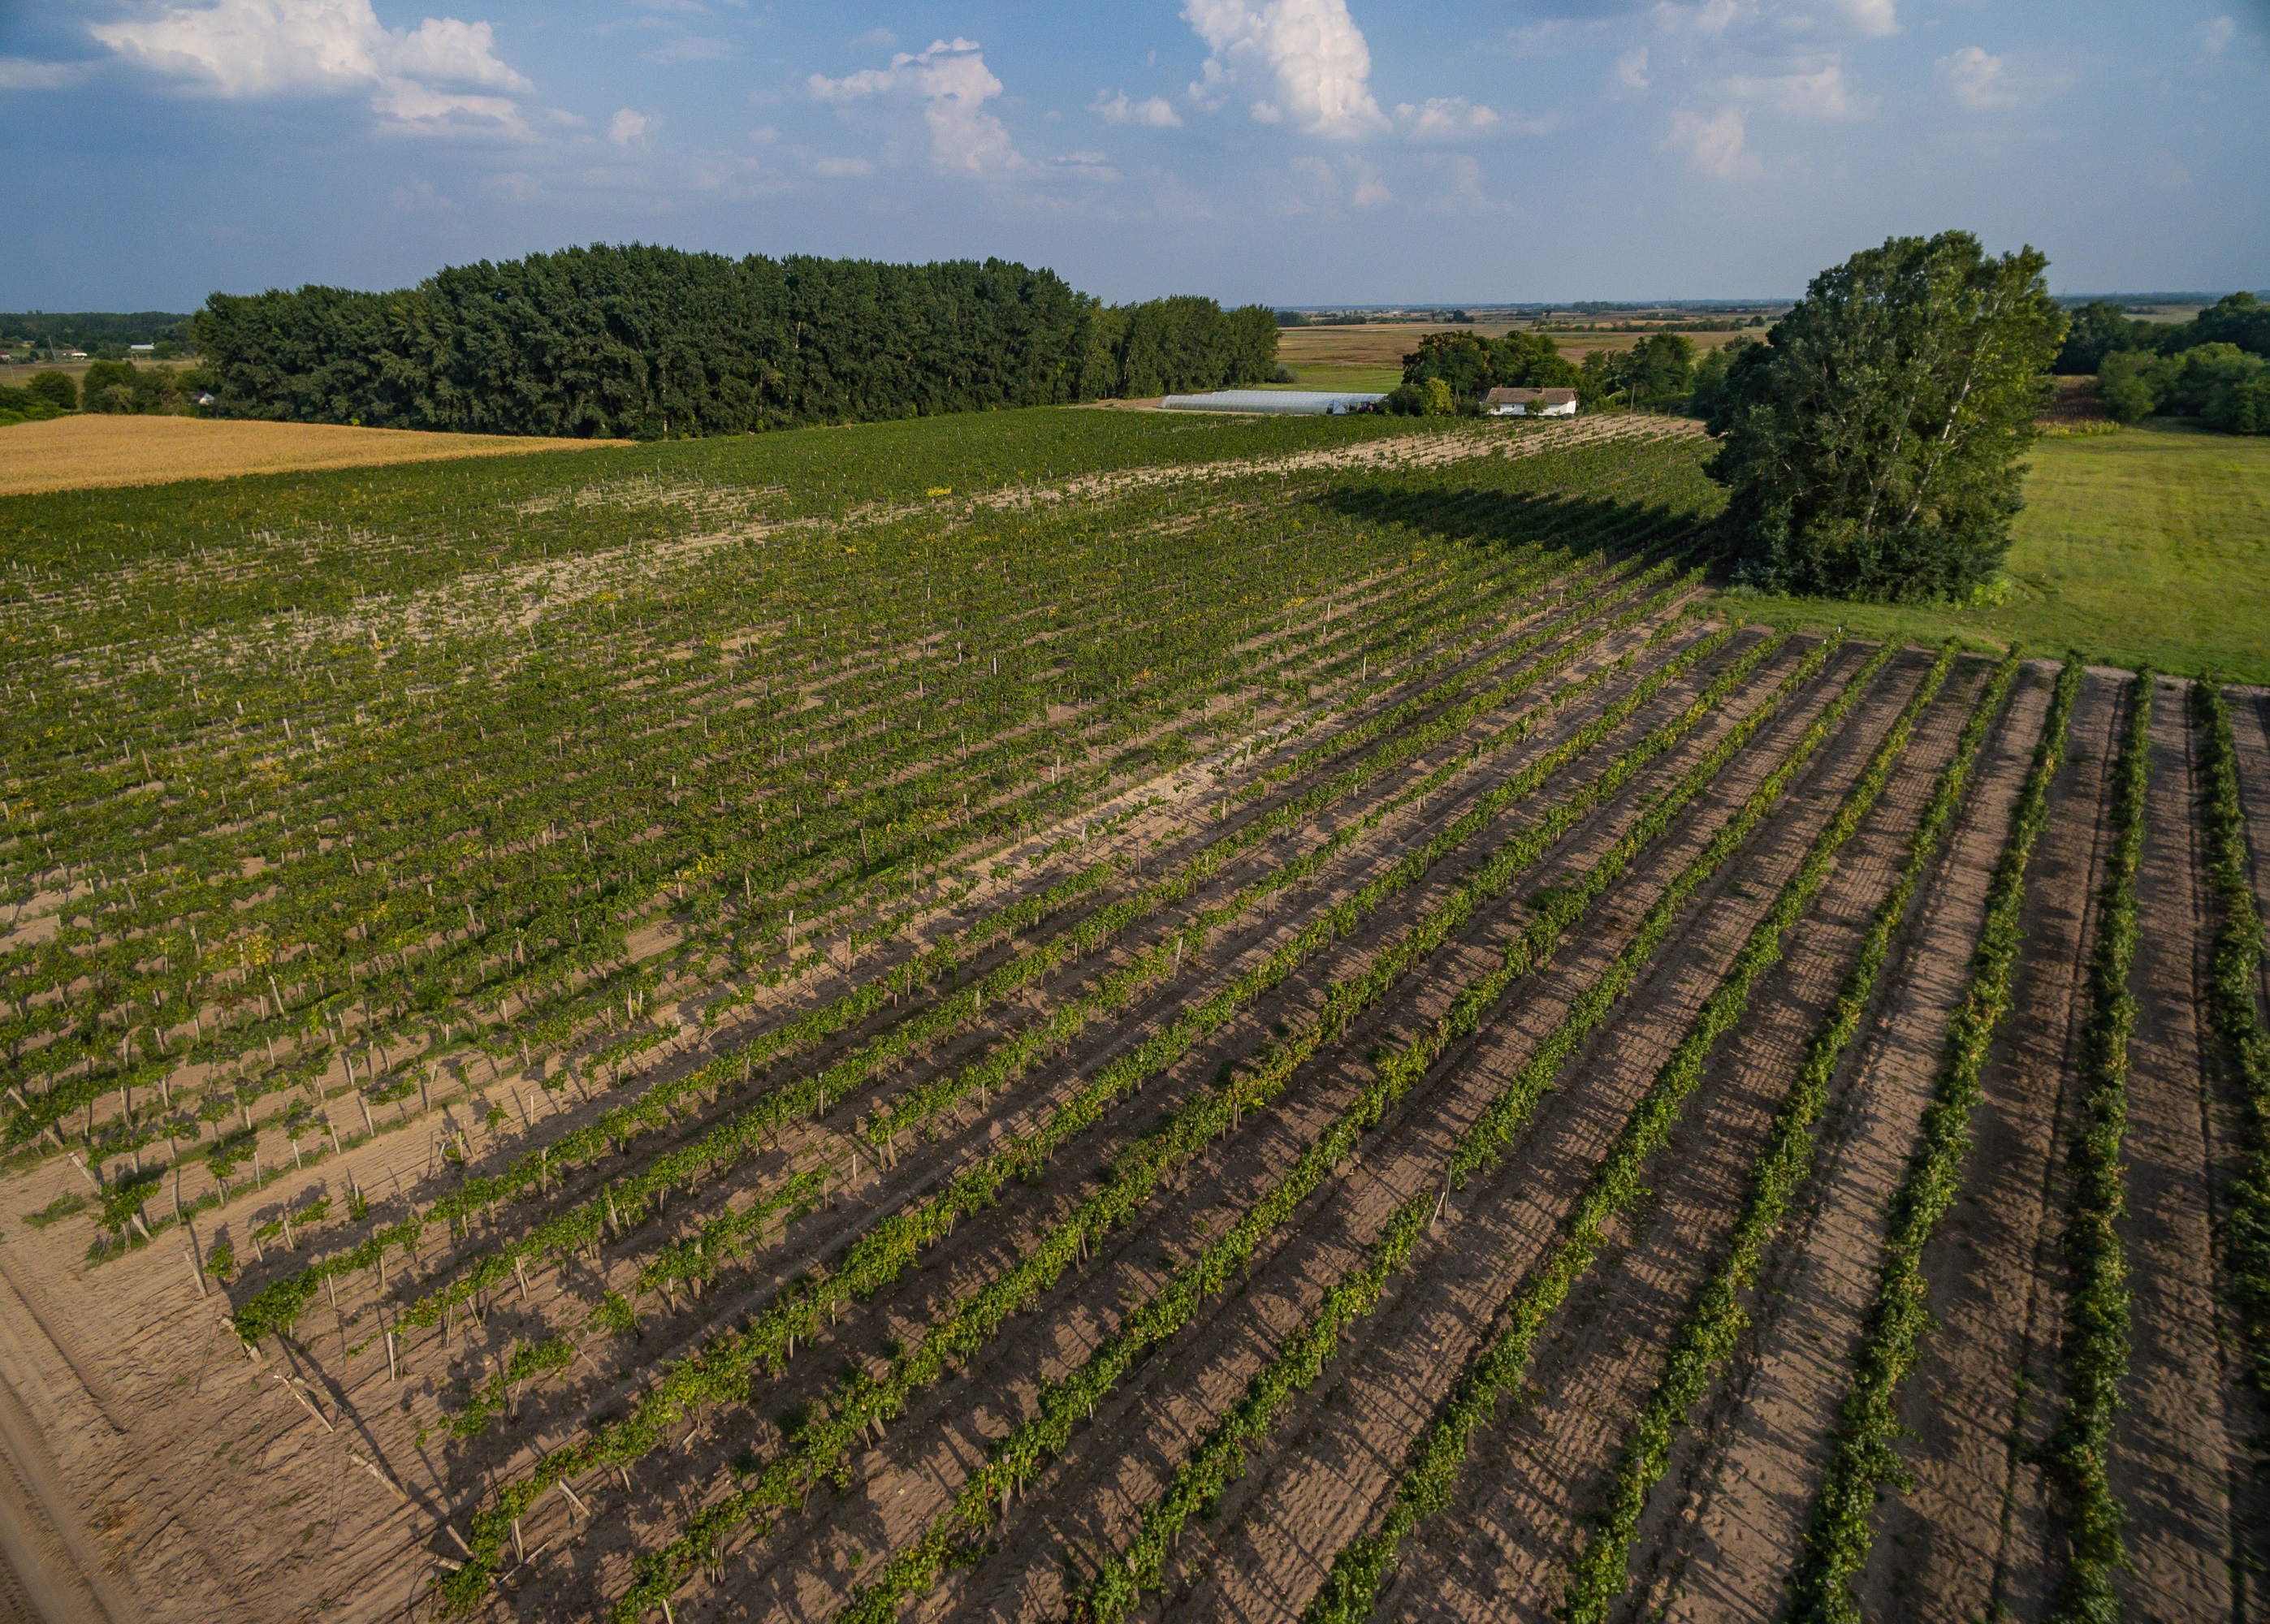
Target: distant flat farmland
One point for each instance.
(1371, 356)
(78, 453)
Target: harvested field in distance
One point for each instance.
(1370, 356)
(102, 449)
(1091, 1015)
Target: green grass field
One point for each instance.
(2151, 546)
(1376, 380)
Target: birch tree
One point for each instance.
(1871, 443)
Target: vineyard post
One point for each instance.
(294, 1388)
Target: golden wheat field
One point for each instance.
(75, 453)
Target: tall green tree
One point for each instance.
(1871, 445)
(1661, 365)
(55, 387)
(2099, 329)
(1472, 366)
(1709, 384)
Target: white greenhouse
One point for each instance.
(1296, 402)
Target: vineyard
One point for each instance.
(1093, 1016)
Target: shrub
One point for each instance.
(2124, 384)
(56, 388)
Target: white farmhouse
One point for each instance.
(1503, 402)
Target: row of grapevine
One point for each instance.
(1862, 1458)
(281, 1015)
(1351, 1588)
(1703, 1342)
(622, 1202)
(2094, 1356)
(719, 1366)
(2235, 1012)
(1018, 1458)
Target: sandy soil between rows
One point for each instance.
(1718, 1545)
(1973, 1536)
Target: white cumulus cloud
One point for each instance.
(1152, 110)
(429, 76)
(1444, 118)
(1631, 69)
(1979, 81)
(953, 84)
(1717, 145)
(1873, 18)
(1816, 91)
(629, 125)
(1308, 54)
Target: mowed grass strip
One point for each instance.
(86, 453)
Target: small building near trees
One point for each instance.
(1506, 403)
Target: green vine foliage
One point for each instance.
(626, 1201)
(1137, 1171)
(529, 909)
(721, 1370)
(1862, 1458)
(1363, 1566)
(1218, 1458)
(1020, 1458)
(1707, 1338)
(2235, 981)
(2094, 1355)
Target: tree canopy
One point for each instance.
(1472, 366)
(1871, 444)
(643, 342)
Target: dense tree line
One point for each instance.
(1174, 345)
(1472, 366)
(1660, 367)
(2214, 368)
(648, 342)
(99, 332)
(1452, 371)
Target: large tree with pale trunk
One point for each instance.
(1871, 442)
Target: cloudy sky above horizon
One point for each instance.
(1296, 152)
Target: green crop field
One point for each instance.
(1068, 1013)
(2147, 546)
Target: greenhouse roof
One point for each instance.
(1310, 403)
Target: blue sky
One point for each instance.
(1297, 151)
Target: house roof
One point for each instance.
(1523, 397)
